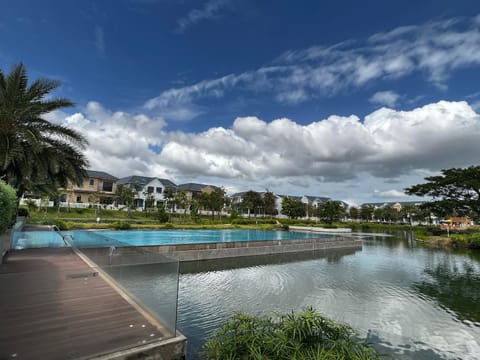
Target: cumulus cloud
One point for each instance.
(433, 50)
(390, 194)
(119, 142)
(388, 98)
(386, 144)
(210, 10)
(325, 157)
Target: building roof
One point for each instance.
(100, 175)
(391, 203)
(194, 186)
(143, 180)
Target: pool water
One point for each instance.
(37, 239)
(174, 237)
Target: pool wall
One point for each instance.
(220, 250)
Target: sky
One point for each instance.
(354, 100)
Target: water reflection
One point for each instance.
(453, 282)
(411, 302)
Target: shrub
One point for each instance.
(23, 212)
(169, 226)
(121, 225)
(8, 206)
(62, 225)
(305, 335)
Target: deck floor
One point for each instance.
(54, 306)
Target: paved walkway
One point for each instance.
(54, 306)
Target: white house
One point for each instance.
(149, 187)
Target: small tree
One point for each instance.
(353, 213)
(269, 201)
(332, 211)
(8, 206)
(293, 208)
(366, 212)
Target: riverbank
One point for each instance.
(469, 240)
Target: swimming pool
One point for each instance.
(83, 238)
(37, 239)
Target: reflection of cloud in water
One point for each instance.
(374, 290)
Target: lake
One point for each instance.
(409, 301)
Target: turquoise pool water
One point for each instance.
(37, 239)
(174, 237)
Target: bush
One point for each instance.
(306, 335)
(23, 212)
(62, 225)
(8, 206)
(121, 225)
(169, 226)
(252, 221)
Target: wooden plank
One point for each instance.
(50, 308)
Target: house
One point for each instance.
(98, 187)
(194, 190)
(147, 188)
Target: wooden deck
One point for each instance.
(54, 306)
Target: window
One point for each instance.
(79, 199)
(92, 182)
(150, 189)
(159, 190)
(107, 186)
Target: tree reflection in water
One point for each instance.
(455, 286)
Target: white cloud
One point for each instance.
(390, 194)
(434, 49)
(339, 156)
(388, 98)
(210, 10)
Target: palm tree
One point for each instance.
(35, 154)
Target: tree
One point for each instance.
(455, 192)
(127, 194)
(293, 208)
(331, 211)
(353, 213)
(366, 212)
(181, 200)
(213, 201)
(252, 201)
(169, 195)
(8, 205)
(35, 154)
(269, 202)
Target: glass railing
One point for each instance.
(149, 279)
(107, 299)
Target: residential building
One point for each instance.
(147, 187)
(98, 187)
(194, 190)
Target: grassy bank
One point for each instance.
(433, 236)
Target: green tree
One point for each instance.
(35, 154)
(269, 201)
(331, 211)
(353, 213)
(252, 201)
(127, 194)
(213, 201)
(293, 208)
(169, 195)
(455, 192)
(181, 200)
(8, 206)
(366, 212)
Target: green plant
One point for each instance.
(305, 335)
(121, 225)
(62, 225)
(23, 212)
(8, 205)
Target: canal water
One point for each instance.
(410, 302)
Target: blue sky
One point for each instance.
(354, 100)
